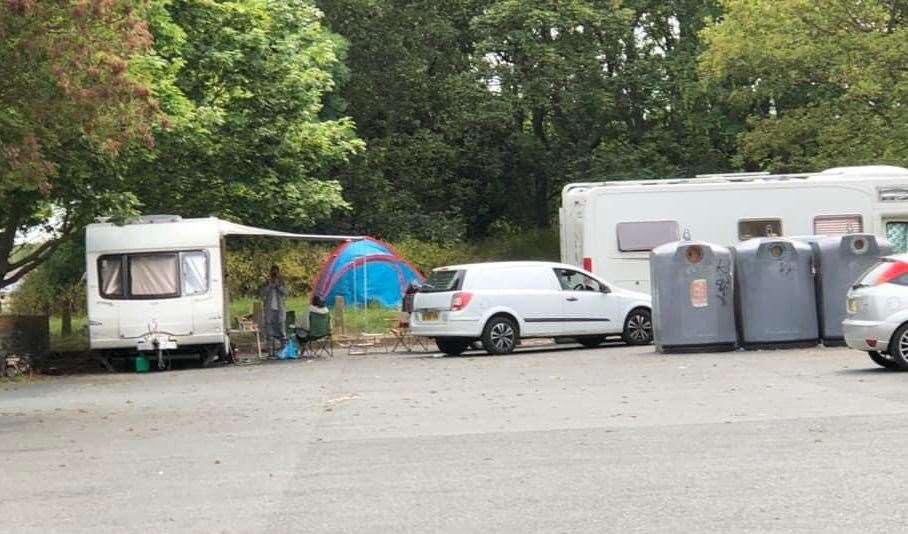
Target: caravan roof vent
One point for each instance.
(156, 219)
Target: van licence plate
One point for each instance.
(430, 316)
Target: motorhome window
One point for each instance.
(110, 271)
(838, 224)
(194, 267)
(154, 275)
(759, 228)
(647, 235)
(440, 281)
(897, 234)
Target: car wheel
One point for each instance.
(638, 327)
(591, 341)
(451, 347)
(883, 360)
(898, 348)
(500, 335)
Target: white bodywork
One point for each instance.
(123, 321)
(876, 311)
(711, 208)
(529, 292)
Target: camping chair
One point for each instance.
(400, 329)
(318, 339)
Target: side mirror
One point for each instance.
(604, 289)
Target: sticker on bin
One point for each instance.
(698, 293)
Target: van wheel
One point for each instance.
(898, 348)
(883, 360)
(638, 327)
(591, 341)
(451, 347)
(500, 335)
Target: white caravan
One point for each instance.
(157, 284)
(609, 228)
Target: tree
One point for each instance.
(74, 95)
(251, 137)
(435, 140)
(824, 82)
(597, 89)
(56, 287)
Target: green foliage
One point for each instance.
(436, 143)
(112, 107)
(249, 261)
(822, 82)
(56, 285)
(249, 142)
(488, 107)
(75, 100)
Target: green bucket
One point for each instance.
(142, 365)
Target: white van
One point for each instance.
(609, 228)
(156, 284)
(500, 303)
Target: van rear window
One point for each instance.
(443, 281)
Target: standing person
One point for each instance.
(274, 306)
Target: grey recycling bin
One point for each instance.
(840, 260)
(693, 297)
(777, 303)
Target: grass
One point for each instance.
(372, 320)
(75, 342)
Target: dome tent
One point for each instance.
(366, 271)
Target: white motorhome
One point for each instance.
(609, 228)
(157, 283)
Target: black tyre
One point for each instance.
(591, 341)
(638, 327)
(451, 347)
(898, 348)
(883, 360)
(500, 335)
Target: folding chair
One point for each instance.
(400, 329)
(318, 339)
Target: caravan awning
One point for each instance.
(228, 228)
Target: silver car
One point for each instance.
(877, 321)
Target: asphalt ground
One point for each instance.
(553, 439)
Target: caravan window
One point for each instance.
(646, 235)
(110, 270)
(838, 224)
(154, 275)
(752, 228)
(195, 273)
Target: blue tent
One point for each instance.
(364, 272)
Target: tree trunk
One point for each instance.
(541, 199)
(66, 318)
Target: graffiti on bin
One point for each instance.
(787, 267)
(723, 280)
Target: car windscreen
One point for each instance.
(446, 280)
